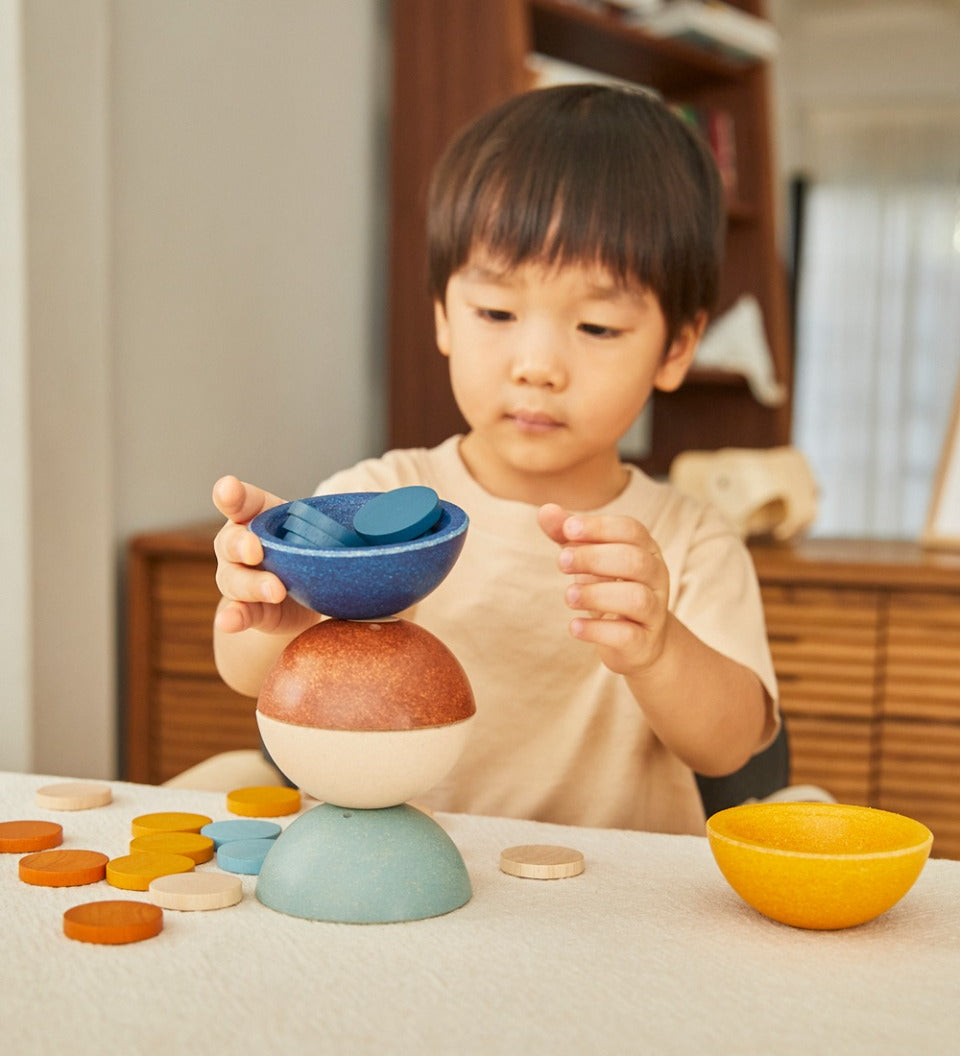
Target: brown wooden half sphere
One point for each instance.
(349, 675)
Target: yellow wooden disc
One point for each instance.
(192, 844)
(196, 891)
(539, 861)
(169, 821)
(74, 795)
(133, 872)
(263, 801)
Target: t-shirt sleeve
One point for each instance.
(718, 599)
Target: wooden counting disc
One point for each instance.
(168, 821)
(399, 515)
(196, 891)
(74, 795)
(222, 832)
(243, 856)
(192, 844)
(63, 868)
(541, 862)
(16, 837)
(113, 922)
(263, 801)
(133, 872)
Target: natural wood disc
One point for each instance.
(74, 795)
(540, 861)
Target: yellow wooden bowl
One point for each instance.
(818, 865)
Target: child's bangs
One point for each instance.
(557, 211)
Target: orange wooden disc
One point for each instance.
(168, 821)
(133, 872)
(263, 801)
(113, 922)
(63, 868)
(192, 844)
(20, 836)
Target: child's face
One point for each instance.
(550, 366)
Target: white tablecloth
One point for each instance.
(649, 951)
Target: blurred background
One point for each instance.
(194, 200)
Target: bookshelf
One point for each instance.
(453, 60)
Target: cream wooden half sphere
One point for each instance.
(365, 714)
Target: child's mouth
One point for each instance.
(532, 422)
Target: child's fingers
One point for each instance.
(583, 528)
(241, 502)
(239, 583)
(236, 616)
(235, 543)
(642, 564)
(551, 518)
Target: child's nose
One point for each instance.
(539, 361)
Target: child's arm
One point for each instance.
(706, 708)
(255, 619)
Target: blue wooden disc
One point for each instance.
(308, 544)
(243, 856)
(399, 515)
(240, 829)
(318, 538)
(326, 524)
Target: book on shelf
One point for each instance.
(716, 125)
(714, 26)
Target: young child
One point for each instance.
(611, 628)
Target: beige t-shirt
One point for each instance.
(557, 736)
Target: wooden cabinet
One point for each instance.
(178, 712)
(865, 640)
(453, 60)
(866, 644)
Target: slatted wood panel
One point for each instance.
(920, 759)
(838, 755)
(824, 645)
(179, 712)
(920, 777)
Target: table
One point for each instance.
(648, 950)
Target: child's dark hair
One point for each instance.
(584, 173)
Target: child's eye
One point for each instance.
(495, 315)
(596, 330)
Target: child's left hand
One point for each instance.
(620, 582)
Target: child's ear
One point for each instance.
(680, 353)
(442, 327)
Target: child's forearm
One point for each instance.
(706, 708)
(243, 658)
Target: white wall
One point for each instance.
(16, 724)
(881, 54)
(204, 234)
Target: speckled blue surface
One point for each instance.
(360, 583)
(364, 867)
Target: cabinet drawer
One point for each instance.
(824, 645)
(918, 776)
(922, 674)
(195, 718)
(836, 754)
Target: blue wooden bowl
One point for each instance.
(360, 582)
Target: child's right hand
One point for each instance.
(252, 598)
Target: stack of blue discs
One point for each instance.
(390, 517)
